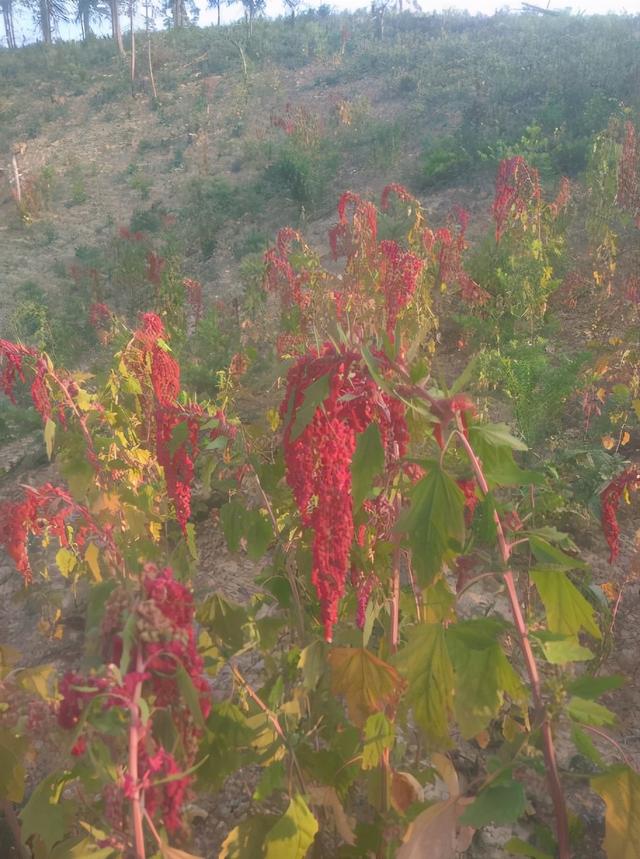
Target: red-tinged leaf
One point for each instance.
(405, 791)
(367, 683)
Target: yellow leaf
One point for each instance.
(49, 436)
(620, 790)
(84, 400)
(447, 773)
(608, 442)
(626, 438)
(66, 561)
(601, 394)
(36, 680)
(106, 501)
(91, 557)
(273, 419)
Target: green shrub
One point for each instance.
(443, 161)
(302, 173)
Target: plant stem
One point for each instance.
(395, 598)
(271, 716)
(553, 777)
(9, 813)
(134, 743)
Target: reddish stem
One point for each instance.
(395, 598)
(553, 777)
(135, 735)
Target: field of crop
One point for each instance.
(319, 440)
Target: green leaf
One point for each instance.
(372, 367)
(484, 523)
(620, 790)
(81, 848)
(483, 674)
(128, 639)
(585, 746)
(226, 745)
(12, 772)
(190, 536)
(464, 378)
(258, 533)
(367, 463)
(312, 663)
(273, 778)
(190, 695)
(592, 687)
(293, 834)
(232, 519)
(498, 435)
(498, 463)
(66, 561)
(559, 650)
(49, 436)
(314, 396)
(45, 814)
(367, 683)
(589, 712)
(518, 847)
(224, 621)
(246, 841)
(435, 517)
(499, 803)
(378, 736)
(551, 556)
(179, 436)
(567, 610)
(425, 663)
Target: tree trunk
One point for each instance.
(86, 24)
(133, 48)
(115, 26)
(218, 8)
(177, 13)
(45, 21)
(7, 14)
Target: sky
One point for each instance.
(25, 27)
